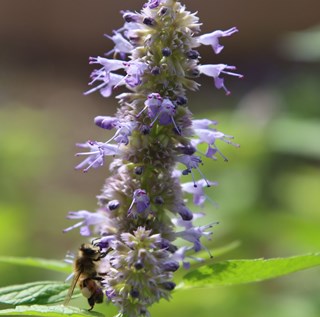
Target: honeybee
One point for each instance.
(86, 276)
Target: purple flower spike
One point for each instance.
(215, 71)
(213, 38)
(142, 213)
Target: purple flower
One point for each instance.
(131, 17)
(208, 135)
(123, 133)
(180, 256)
(190, 161)
(110, 294)
(193, 234)
(165, 114)
(106, 122)
(98, 150)
(109, 80)
(105, 241)
(211, 152)
(135, 71)
(109, 65)
(131, 30)
(89, 219)
(197, 191)
(141, 234)
(180, 208)
(140, 200)
(153, 104)
(176, 173)
(121, 45)
(213, 38)
(203, 123)
(215, 71)
(152, 4)
(171, 266)
(161, 110)
(124, 128)
(185, 213)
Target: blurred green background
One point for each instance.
(269, 191)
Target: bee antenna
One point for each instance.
(103, 254)
(93, 242)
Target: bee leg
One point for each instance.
(91, 304)
(91, 301)
(103, 254)
(96, 297)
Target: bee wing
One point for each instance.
(71, 288)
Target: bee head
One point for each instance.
(89, 250)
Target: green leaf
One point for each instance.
(44, 292)
(246, 271)
(226, 248)
(49, 311)
(216, 251)
(53, 265)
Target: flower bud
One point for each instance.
(148, 21)
(166, 52)
(113, 204)
(170, 286)
(171, 266)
